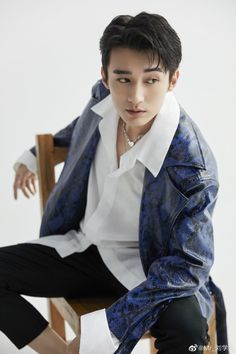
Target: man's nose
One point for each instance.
(136, 95)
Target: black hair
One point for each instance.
(145, 32)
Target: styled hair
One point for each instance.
(148, 33)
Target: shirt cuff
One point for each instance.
(95, 334)
(28, 159)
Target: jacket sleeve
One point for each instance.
(181, 272)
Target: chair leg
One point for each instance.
(212, 346)
(56, 320)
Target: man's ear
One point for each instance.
(174, 80)
(105, 83)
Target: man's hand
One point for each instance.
(25, 181)
(73, 346)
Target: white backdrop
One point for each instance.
(50, 59)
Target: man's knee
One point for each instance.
(182, 320)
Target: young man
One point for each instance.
(130, 214)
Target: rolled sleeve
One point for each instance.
(28, 159)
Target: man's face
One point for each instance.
(132, 87)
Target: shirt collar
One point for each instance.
(152, 148)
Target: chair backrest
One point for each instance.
(48, 156)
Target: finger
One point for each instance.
(33, 183)
(24, 191)
(16, 186)
(29, 186)
(23, 188)
(15, 192)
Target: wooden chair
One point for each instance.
(69, 310)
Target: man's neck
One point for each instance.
(134, 132)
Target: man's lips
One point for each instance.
(135, 113)
(135, 110)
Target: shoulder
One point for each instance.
(99, 91)
(190, 161)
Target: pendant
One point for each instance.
(131, 143)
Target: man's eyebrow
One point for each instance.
(127, 72)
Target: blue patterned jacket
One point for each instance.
(175, 229)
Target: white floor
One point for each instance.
(6, 347)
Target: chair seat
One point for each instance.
(71, 309)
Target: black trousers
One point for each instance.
(36, 270)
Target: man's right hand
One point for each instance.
(24, 181)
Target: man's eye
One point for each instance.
(124, 80)
(152, 81)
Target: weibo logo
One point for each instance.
(192, 348)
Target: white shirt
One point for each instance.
(111, 220)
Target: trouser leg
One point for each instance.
(181, 328)
(36, 270)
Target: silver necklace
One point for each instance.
(130, 142)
